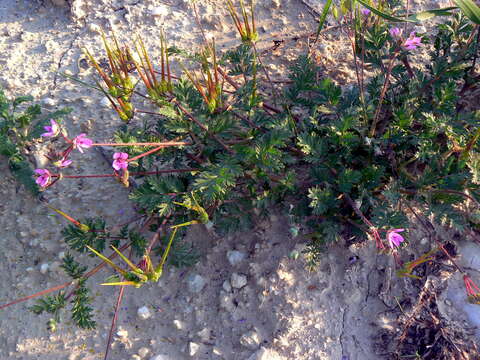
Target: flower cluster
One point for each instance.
(412, 42)
(394, 239)
(44, 179)
(79, 142)
(52, 130)
(120, 161)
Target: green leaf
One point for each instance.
(382, 14)
(470, 9)
(322, 19)
(428, 14)
(22, 99)
(321, 200)
(23, 173)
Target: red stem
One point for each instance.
(164, 144)
(132, 174)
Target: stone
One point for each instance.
(204, 334)
(179, 324)
(193, 348)
(226, 302)
(44, 268)
(195, 283)
(48, 102)
(160, 357)
(122, 333)
(143, 351)
(144, 313)
(94, 28)
(265, 354)
(159, 11)
(238, 280)
(235, 257)
(105, 102)
(250, 340)
(226, 286)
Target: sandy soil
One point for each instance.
(346, 309)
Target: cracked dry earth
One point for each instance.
(261, 304)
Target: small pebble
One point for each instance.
(143, 351)
(48, 102)
(43, 268)
(159, 11)
(105, 102)
(235, 257)
(238, 280)
(250, 340)
(94, 28)
(193, 348)
(265, 354)
(160, 357)
(195, 283)
(226, 286)
(217, 351)
(179, 324)
(144, 313)
(204, 334)
(122, 333)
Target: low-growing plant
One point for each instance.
(359, 162)
(20, 127)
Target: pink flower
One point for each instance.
(412, 42)
(395, 32)
(80, 142)
(120, 161)
(394, 239)
(62, 163)
(52, 130)
(365, 12)
(45, 177)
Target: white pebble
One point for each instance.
(122, 333)
(195, 283)
(179, 324)
(193, 348)
(105, 102)
(44, 268)
(226, 286)
(144, 313)
(160, 11)
(160, 357)
(235, 257)
(48, 102)
(226, 302)
(265, 354)
(204, 334)
(94, 28)
(143, 351)
(250, 340)
(238, 280)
